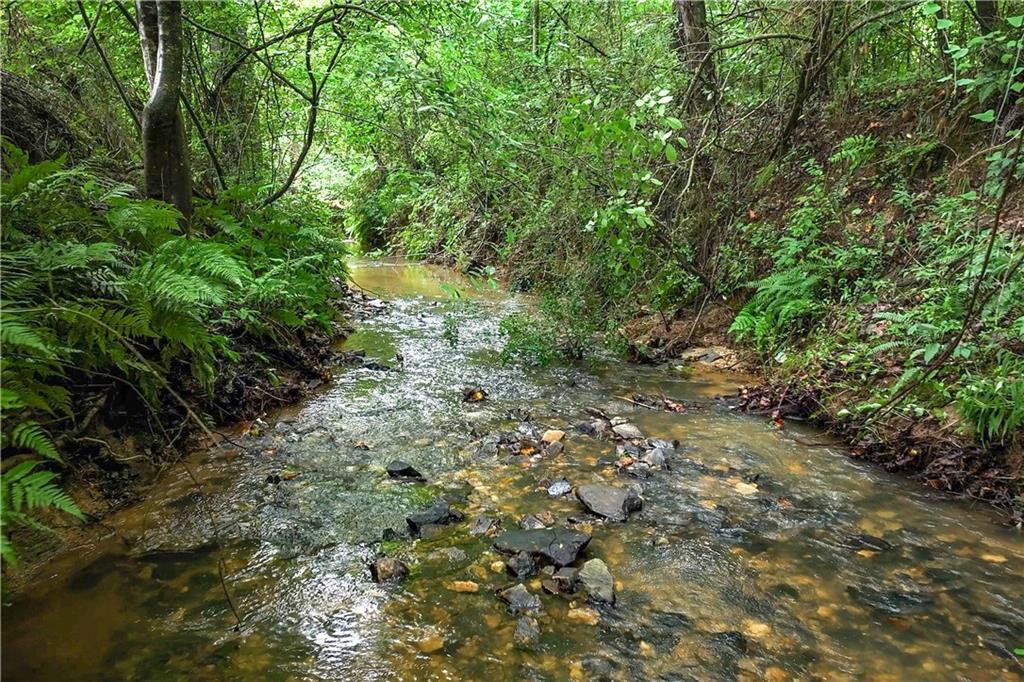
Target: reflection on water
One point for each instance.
(754, 557)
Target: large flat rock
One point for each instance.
(559, 546)
(608, 501)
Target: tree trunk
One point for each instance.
(164, 146)
(987, 13)
(811, 70)
(535, 27)
(942, 41)
(692, 41)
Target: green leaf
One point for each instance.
(670, 151)
(1015, 21)
(673, 122)
(931, 350)
(930, 8)
(943, 24)
(985, 116)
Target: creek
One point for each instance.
(756, 555)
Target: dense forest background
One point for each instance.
(830, 185)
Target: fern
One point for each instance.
(100, 283)
(25, 489)
(28, 435)
(887, 346)
(13, 333)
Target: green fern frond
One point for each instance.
(24, 489)
(29, 435)
(14, 333)
(887, 346)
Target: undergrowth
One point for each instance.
(103, 291)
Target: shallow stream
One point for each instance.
(758, 554)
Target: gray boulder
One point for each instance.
(609, 502)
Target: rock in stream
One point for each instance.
(609, 502)
(597, 580)
(559, 546)
(439, 513)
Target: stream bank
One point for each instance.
(940, 457)
(751, 555)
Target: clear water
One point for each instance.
(717, 577)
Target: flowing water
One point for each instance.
(760, 554)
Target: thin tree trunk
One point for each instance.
(693, 43)
(535, 27)
(810, 71)
(942, 41)
(164, 147)
(987, 14)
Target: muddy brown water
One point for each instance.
(754, 557)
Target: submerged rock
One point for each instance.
(483, 525)
(565, 577)
(467, 586)
(609, 502)
(520, 599)
(559, 488)
(553, 436)
(451, 555)
(553, 449)
(431, 643)
(654, 458)
(521, 566)
(530, 521)
(895, 602)
(559, 546)
(869, 542)
(597, 580)
(584, 615)
(404, 471)
(429, 530)
(439, 513)
(388, 570)
(527, 631)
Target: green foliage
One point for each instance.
(995, 404)
(100, 284)
(809, 271)
(783, 305)
(528, 339)
(854, 152)
(25, 490)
